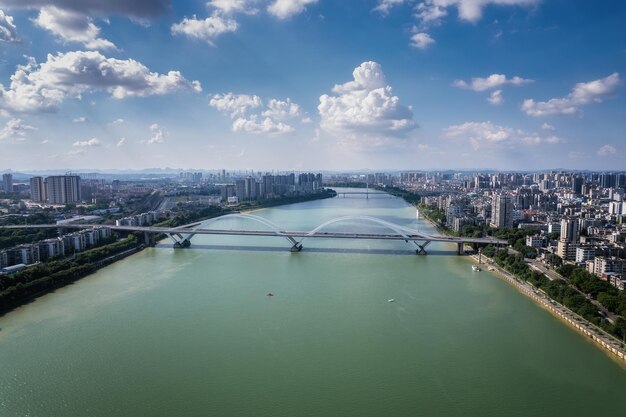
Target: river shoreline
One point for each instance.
(599, 337)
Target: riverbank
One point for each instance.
(601, 338)
(41, 279)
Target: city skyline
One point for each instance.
(312, 85)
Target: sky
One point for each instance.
(312, 84)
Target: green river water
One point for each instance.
(191, 332)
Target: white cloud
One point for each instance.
(607, 150)
(268, 121)
(254, 124)
(137, 9)
(496, 98)
(235, 105)
(583, 93)
(282, 110)
(487, 134)
(205, 30)
(80, 120)
(384, 6)
(43, 87)
(234, 6)
(86, 143)
(121, 142)
(430, 13)
(157, 134)
(116, 122)
(365, 106)
(284, 9)
(72, 26)
(547, 126)
(469, 10)
(493, 81)
(8, 30)
(15, 129)
(421, 40)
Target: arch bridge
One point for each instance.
(182, 235)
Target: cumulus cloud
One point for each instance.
(384, 6)
(547, 126)
(606, 150)
(429, 13)
(205, 30)
(583, 93)
(86, 143)
(15, 129)
(365, 106)
(282, 110)
(496, 98)
(250, 115)
(284, 9)
(493, 81)
(487, 134)
(116, 122)
(138, 9)
(235, 105)
(157, 135)
(469, 10)
(120, 142)
(80, 120)
(72, 26)
(234, 6)
(43, 87)
(421, 40)
(254, 124)
(8, 30)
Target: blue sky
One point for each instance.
(312, 84)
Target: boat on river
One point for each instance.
(476, 268)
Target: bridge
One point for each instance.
(367, 194)
(182, 235)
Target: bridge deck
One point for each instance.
(186, 230)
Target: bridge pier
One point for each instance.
(421, 249)
(180, 242)
(148, 238)
(296, 248)
(459, 250)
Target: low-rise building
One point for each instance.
(585, 253)
(536, 241)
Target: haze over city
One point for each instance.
(307, 84)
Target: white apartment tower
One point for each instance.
(63, 189)
(502, 211)
(38, 189)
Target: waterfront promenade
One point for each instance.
(595, 333)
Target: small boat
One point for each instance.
(391, 300)
(270, 294)
(475, 268)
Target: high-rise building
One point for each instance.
(7, 183)
(38, 189)
(502, 211)
(577, 185)
(569, 230)
(251, 188)
(63, 189)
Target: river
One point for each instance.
(191, 332)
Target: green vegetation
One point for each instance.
(559, 290)
(610, 297)
(24, 285)
(251, 205)
(14, 237)
(408, 196)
